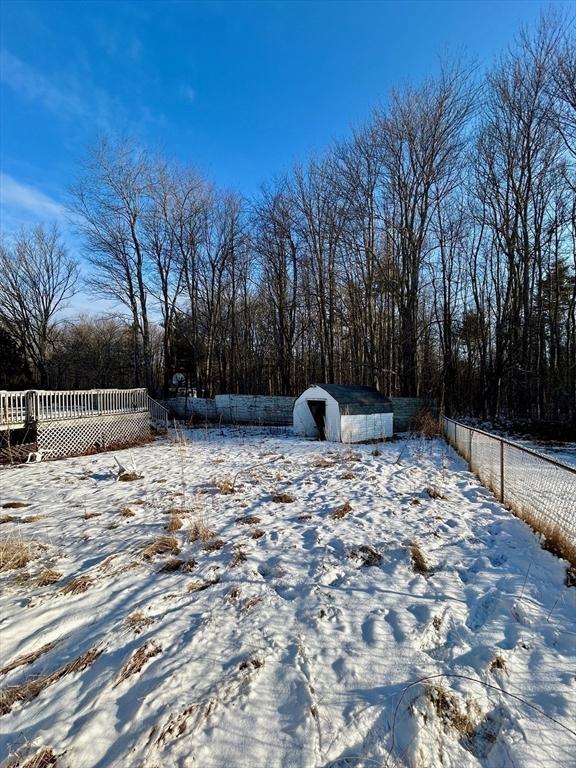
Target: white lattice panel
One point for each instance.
(76, 436)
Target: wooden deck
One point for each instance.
(19, 410)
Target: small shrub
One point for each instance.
(341, 511)
(426, 424)
(163, 545)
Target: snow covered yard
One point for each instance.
(257, 600)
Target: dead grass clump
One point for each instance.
(571, 576)
(419, 562)
(447, 709)
(137, 661)
(498, 662)
(163, 545)
(174, 523)
(44, 758)
(341, 511)
(553, 539)
(376, 452)
(127, 512)
(251, 602)
(238, 557)
(248, 520)
(257, 533)
(348, 476)
(200, 586)
(28, 658)
(8, 519)
(77, 586)
(199, 531)
(369, 556)
(138, 620)
(15, 505)
(320, 462)
(213, 545)
(33, 518)
(184, 566)
(283, 498)
(251, 664)
(14, 553)
(90, 515)
(47, 577)
(426, 424)
(225, 486)
(234, 594)
(128, 477)
(32, 688)
(435, 493)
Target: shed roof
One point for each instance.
(357, 399)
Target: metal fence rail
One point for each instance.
(533, 486)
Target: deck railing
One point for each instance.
(20, 408)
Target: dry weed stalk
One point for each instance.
(137, 661)
(29, 690)
(44, 758)
(28, 658)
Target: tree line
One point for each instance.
(432, 253)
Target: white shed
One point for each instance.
(343, 413)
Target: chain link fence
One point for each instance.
(535, 487)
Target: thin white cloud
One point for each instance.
(188, 92)
(22, 203)
(33, 85)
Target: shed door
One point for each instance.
(318, 411)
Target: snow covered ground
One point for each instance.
(308, 590)
(564, 452)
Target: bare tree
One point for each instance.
(38, 278)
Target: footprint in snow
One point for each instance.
(483, 609)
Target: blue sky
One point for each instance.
(239, 90)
